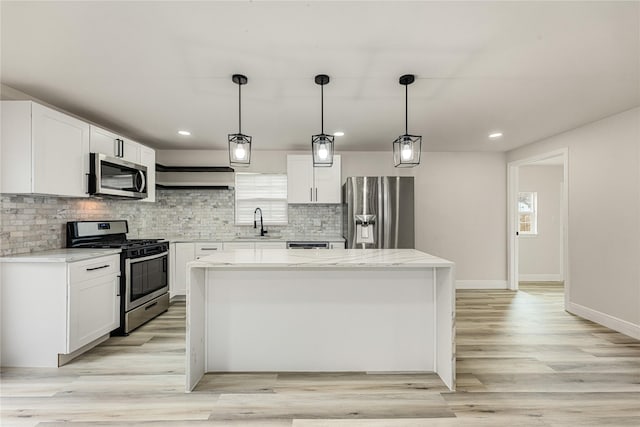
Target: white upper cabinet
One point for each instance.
(114, 145)
(43, 151)
(306, 184)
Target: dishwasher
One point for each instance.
(307, 245)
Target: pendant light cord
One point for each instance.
(239, 108)
(322, 109)
(406, 109)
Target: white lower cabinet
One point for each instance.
(255, 245)
(239, 245)
(91, 312)
(271, 245)
(53, 311)
(207, 248)
(182, 254)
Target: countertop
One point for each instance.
(60, 255)
(314, 258)
(276, 238)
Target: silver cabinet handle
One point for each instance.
(311, 194)
(99, 268)
(316, 194)
(208, 249)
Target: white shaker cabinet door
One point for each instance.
(94, 310)
(60, 153)
(328, 188)
(131, 151)
(114, 145)
(299, 179)
(105, 142)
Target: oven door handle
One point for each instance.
(147, 258)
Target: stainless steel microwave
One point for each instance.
(112, 177)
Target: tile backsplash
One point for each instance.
(33, 223)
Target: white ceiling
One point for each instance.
(148, 69)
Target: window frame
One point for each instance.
(533, 214)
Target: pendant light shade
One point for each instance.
(239, 144)
(407, 148)
(322, 144)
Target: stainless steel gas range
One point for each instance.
(144, 268)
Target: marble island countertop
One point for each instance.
(60, 255)
(267, 238)
(314, 258)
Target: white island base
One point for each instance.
(374, 310)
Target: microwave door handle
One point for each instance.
(143, 181)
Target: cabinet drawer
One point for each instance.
(206, 248)
(92, 268)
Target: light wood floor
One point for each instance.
(522, 361)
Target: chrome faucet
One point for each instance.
(255, 223)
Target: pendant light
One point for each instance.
(239, 144)
(406, 148)
(322, 144)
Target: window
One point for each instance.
(528, 212)
(265, 191)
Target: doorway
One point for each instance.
(538, 219)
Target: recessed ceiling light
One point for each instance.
(338, 133)
(495, 135)
(184, 132)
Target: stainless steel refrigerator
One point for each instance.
(378, 212)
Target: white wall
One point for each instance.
(461, 214)
(540, 255)
(604, 218)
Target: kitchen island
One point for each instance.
(373, 310)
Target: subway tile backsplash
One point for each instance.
(35, 223)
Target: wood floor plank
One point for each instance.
(522, 361)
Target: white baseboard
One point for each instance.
(603, 319)
(540, 277)
(481, 284)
